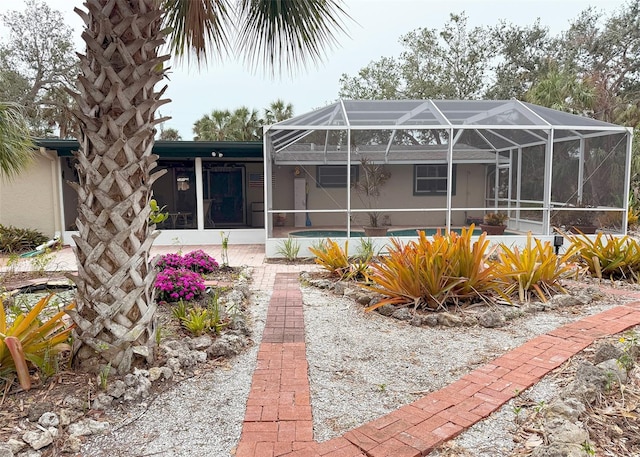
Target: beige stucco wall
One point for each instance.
(31, 200)
(396, 193)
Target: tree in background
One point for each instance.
(36, 63)
(16, 147)
(116, 110)
(242, 124)
(169, 134)
(452, 63)
(277, 111)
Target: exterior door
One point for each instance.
(224, 196)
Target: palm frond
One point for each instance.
(285, 34)
(198, 27)
(16, 147)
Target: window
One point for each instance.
(334, 175)
(432, 180)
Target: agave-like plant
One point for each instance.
(607, 256)
(28, 339)
(432, 274)
(535, 267)
(332, 257)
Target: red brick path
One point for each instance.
(278, 420)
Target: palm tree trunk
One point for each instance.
(116, 112)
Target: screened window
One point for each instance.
(334, 175)
(432, 180)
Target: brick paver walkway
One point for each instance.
(278, 420)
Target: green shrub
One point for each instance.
(13, 239)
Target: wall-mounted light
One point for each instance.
(216, 154)
(183, 182)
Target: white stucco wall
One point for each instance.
(31, 199)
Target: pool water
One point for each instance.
(355, 234)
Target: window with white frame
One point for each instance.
(432, 180)
(334, 175)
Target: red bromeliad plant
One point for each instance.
(29, 340)
(332, 257)
(448, 270)
(608, 256)
(535, 268)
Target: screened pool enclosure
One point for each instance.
(445, 164)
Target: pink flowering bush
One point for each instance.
(176, 283)
(200, 262)
(170, 261)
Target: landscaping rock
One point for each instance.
(613, 371)
(450, 320)
(402, 314)
(239, 324)
(558, 450)
(116, 388)
(227, 345)
(189, 359)
(565, 300)
(49, 419)
(88, 427)
(38, 439)
(102, 401)
(430, 319)
(568, 408)
(564, 431)
(606, 351)
(69, 415)
(201, 342)
(29, 453)
(174, 365)
(140, 389)
(386, 310)
(491, 319)
(5, 450)
(74, 402)
(588, 374)
(16, 445)
(156, 373)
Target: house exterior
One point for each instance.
(207, 187)
(449, 162)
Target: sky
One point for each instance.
(374, 32)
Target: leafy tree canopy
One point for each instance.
(37, 62)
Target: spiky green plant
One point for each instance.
(608, 256)
(432, 274)
(535, 268)
(332, 257)
(29, 340)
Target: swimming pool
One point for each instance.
(356, 234)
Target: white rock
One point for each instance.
(49, 420)
(16, 445)
(38, 439)
(88, 427)
(5, 450)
